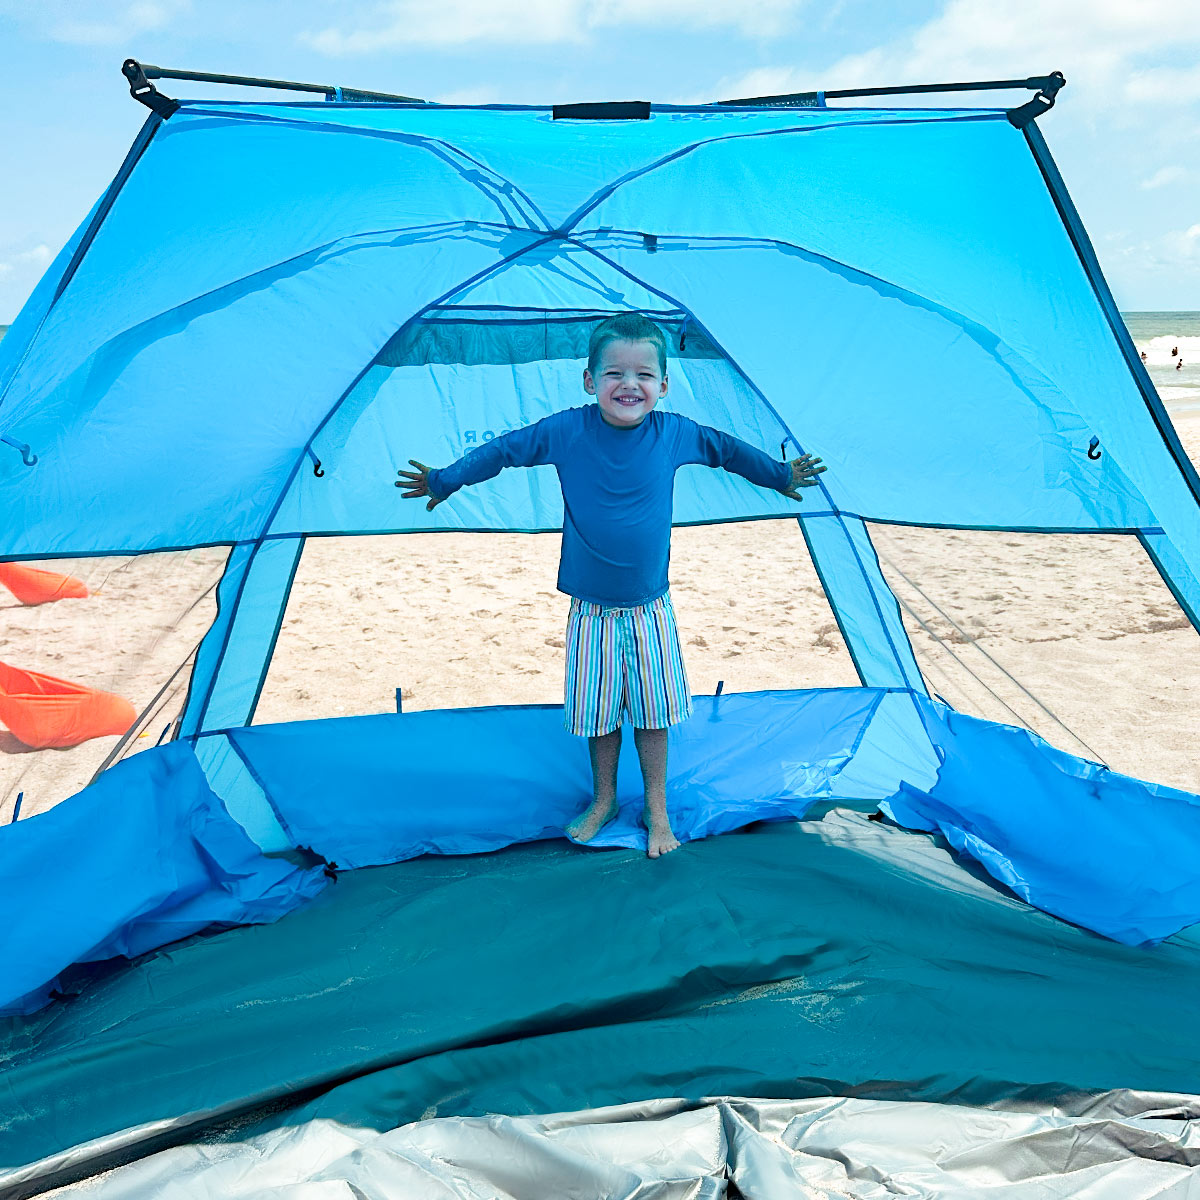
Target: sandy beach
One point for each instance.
(1106, 663)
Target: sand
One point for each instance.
(1084, 623)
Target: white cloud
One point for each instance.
(1163, 176)
(1099, 45)
(1170, 85)
(94, 24)
(476, 95)
(28, 262)
(1174, 250)
(410, 23)
(39, 256)
(1185, 244)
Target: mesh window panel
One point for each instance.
(1073, 635)
(467, 619)
(124, 626)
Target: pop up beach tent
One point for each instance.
(252, 955)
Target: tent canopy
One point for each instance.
(275, 306)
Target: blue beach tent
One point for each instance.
(269, 310)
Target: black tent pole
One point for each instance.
(1108, 304)
(1046, 87)
(140, 74)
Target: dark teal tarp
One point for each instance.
(832, 957)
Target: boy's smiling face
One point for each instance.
(628, 382)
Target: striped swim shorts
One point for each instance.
(624, 662)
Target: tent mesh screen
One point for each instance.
(1017, 627)
(134, 635)
(469, 619)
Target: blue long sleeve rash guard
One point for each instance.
(617, 486)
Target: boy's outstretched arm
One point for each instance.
(530, 446)
(714, 448)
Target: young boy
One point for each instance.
(616, 462)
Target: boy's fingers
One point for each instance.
(433, 503)
(419, 465)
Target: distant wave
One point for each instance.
(1158, 349)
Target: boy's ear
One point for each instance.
(588, 384)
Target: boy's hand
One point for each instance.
(804, 470)
(418, 484)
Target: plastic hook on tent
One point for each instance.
(1094, 448)
(27, 455)
(318, 470)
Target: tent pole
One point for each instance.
(1048, 84)
(140, 74)
(1091, 266)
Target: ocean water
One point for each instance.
(1156, 334)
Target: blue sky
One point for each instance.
(1125, 131)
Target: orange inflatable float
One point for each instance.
(44, 712)
(31, 585)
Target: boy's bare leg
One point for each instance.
(652, 754)
(604, 750)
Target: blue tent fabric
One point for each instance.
(910, 225)
(163, 860)
(1103, 850)
(356, 285)
(838, 957)
(362, 791)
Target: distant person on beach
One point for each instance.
(1179, 364)
(1174, 351)
(1143, 356)
(616, 462)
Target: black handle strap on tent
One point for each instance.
(609, 110)
(142, 90)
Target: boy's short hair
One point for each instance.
(626, 327)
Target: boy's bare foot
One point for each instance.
(660, 838)
(591, 821)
